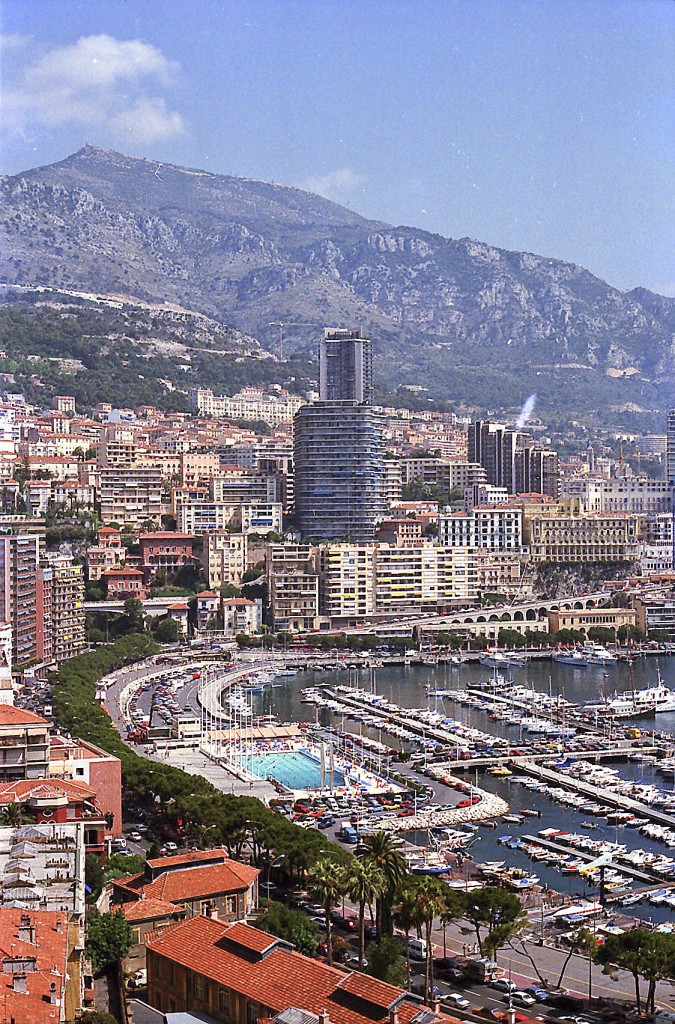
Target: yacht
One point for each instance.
(574, 658)
(653, 700)
(596, 654)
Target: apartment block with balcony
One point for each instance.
(293, 586)
(347, 591)
(582, 537)
(225, 556)
(24, 745)
(498, 528)
(131, 494)
(19, 583)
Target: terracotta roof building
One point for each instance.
(239, 974)
(34, 950)
(198, 882)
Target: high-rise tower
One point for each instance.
(345, 367)
(339, 446)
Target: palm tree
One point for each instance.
(429, 902)
(365, 882)
(406, 915)
(385, 852)
(12, 815)
(326, 881)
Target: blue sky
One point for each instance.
(541, 126)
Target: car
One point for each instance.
(563, 1001)
(455, 1001)
(139, 979)
(354, 960)
(503, 985)
(135, 836)
(418, 989)
(170, 847)
(319, 920)
(540, 994)
(520, 998)
(315, 909)
(371, 933)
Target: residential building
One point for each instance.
(225, 556)
(494, 447)
(249, 404)
(536, 470)
(131, 494)
(392, 481)
(197, 516)
(24, 745)
(345, 367)
(582, 537)
(293, 587)
(125, 582)
(81, 761)
(339, 493)
(347, 589)
(36, 985)
(425, 577)
(58, 802)
(239, 975)
(67, 604)
(19, 561)
(165, 552)
(655, 613)
(108, 553)
(655, 550)
(240, 615)
(117, 447)
(63, 403)
(498, 528)
(208, 608)
(444, 474)
(48, 860)
(6, 685)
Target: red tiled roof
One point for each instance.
(9, 715)
(250, 938)
(157, 863)
(23, 789)
(149, 910)
(282, 978)
(50, 950)
(193, 883)
(207, 593)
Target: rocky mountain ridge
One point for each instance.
(467, 320)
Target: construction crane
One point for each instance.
(285, 323)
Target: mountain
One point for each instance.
(479, 325)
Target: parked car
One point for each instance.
(503, 985)
(455, 1001)
(521, 998)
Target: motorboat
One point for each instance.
(574, 658)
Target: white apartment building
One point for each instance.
(225, 555)
(200, 516)
(497, 529)
(631, 494)
(249, 404)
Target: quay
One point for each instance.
(594, 792)
(624, 869)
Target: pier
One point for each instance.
(594, 792)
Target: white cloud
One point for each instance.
(12, 41)
(97, 82)
(149, 121)
(338, 184)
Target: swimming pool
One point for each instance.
(293, 768)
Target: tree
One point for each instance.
(602, 634)
(630, 635)
(165, 631)
(385, 852)
(384, 961)
(496, 916)
(134, 615)
(428, 902)
(93, 876)
(365, 882)
(12, 815)
(327, 883)
(291, 925)
(405, 913)
(644, 954)
(108, 938)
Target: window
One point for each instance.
(224, 1000)
(198, 986)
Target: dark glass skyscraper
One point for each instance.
(339, 447)
(345, 367)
